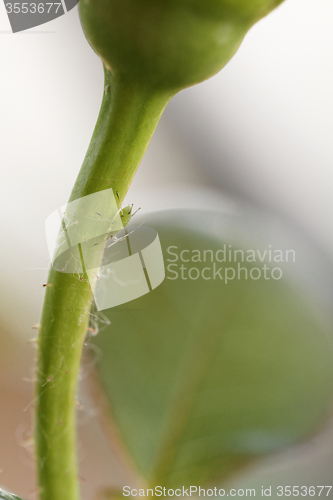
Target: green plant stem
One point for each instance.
(125, 125)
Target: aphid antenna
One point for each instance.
(136, 211)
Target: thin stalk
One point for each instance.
(125, 125)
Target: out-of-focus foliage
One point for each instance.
(203, 377)
(4, 495)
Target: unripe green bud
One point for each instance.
(168, 44)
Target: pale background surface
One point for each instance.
(259, 131)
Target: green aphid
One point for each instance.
(126, 214)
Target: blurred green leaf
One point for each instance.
(203, 377)
(4, 495)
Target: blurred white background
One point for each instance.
(259, 132)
